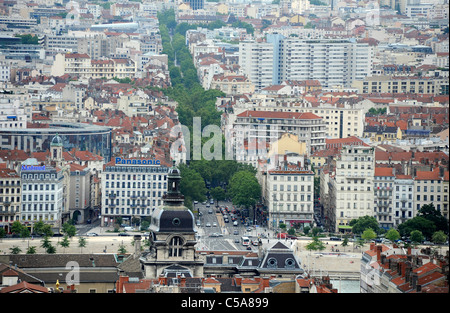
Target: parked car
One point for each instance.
(335, 238)
(124, 234)
(92, 234)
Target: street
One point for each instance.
(216, 234)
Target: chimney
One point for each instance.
(414, 280)
(121, 282)
(407, 271)
(137, 246)
(379, 248)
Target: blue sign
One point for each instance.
(33, 168)
(138, 162)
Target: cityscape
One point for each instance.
(243, 148)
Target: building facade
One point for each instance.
(42, 195)
(353, 183)
(131, 189)
(10, 198)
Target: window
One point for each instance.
(176, 247)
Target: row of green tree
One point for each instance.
(44, 230)
(226, 179)
(428, 221)
(221, 178)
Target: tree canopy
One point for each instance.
(244, 189)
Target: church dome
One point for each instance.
(56, 141)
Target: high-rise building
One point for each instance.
(196, 4)
(333, 62)
(256, 60)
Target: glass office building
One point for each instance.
(93, 138)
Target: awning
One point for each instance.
(344, 227)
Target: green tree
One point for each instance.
(244, 189)
(122, 249)
(392, 235)
(417, 223)
(315, 244)
(345, 242)
(31, 250)
(316, 231)
(82, 243)
(16, 228)
(69, 229)
(439, 237)
(306, 230)
(192, 185)
(218, 194)
(2, 233)
(361, 224)
(15, 250)
(429, 212)
(65, 243)
(368, 234)
(416, 237)
(24, 232)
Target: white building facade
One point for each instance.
(42, 195)
(132, 188)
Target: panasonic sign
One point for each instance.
(137, 162)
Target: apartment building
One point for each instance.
(61, 43)
(384, 179)
(80, 191)
(402, 84)
(429, 188)
(264, 128)
(12, 116)
(350, 185)
(331, 62)
(403, 199)
(232, 84)
(256, 60)
(10, 198)
(289, 194)
(42, 194)
(81, 65)
(131, 188)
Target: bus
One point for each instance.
(245, 241)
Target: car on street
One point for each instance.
(91, 234)
(208, 224)
(210, 211)
(236, 232)
(335, 238)
(124, 234)
(214, 224)
(214, 235)
(249, 248)
(236, 240)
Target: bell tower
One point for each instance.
(56, 151)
